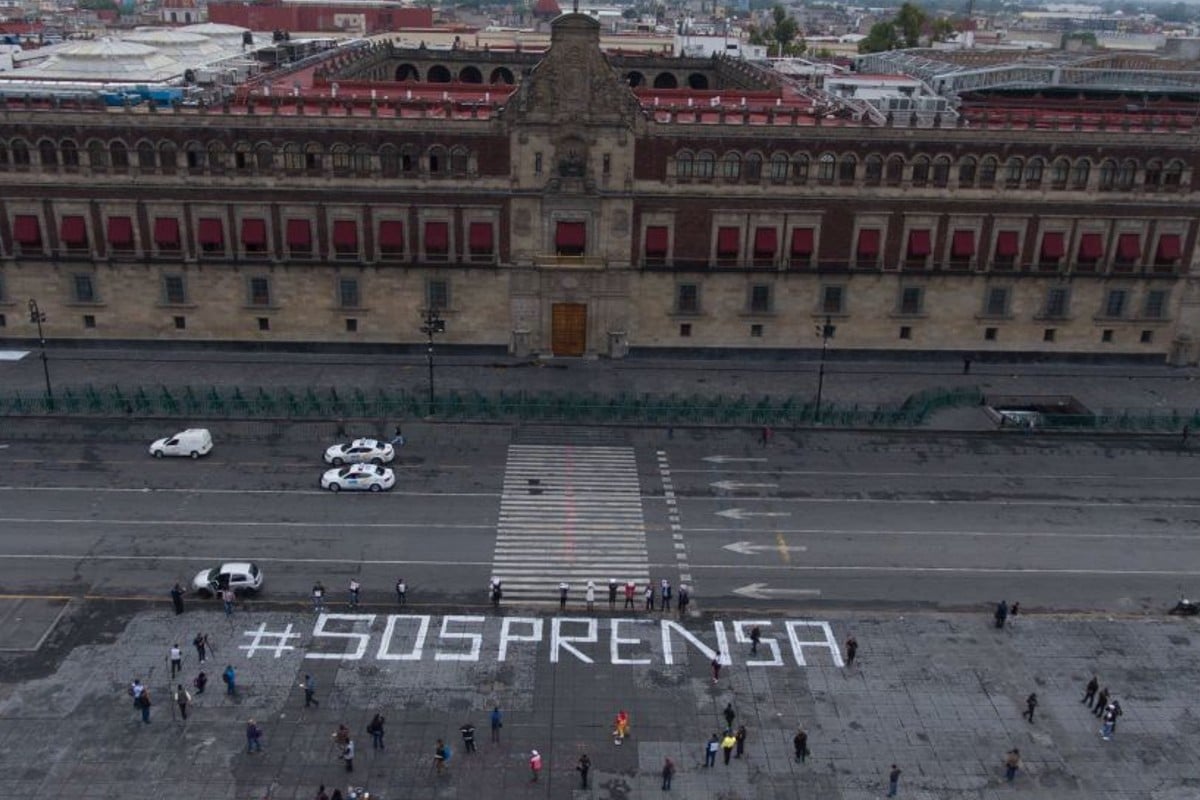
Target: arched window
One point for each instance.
(731, 166)
(243, 157)
(168, 156)
(987, 171)
(364, 163)
(48, 154)
(410, 160)
(1081, 172)
(825, 168)
(341, 158)
(146, 159)
(314, 158)
(1033, 172)
(437, 160)
(1126, 174)
(920, 171)
(966, 171)
(800, 168)
(753, 167)
(873, 169)
(389, 161)
(1108, 174)
(293, 158)
(1173, 174)
(847, 169)
(1059, 171)
(195, 155)
(779, 168)
(893, 174)
(264, 157)
(1013, 169)
(460, 160)
(4, 157)
(941, 171)
(20, 153)
(705, 165)
(97, 156)
(118, 156)
(1154, 173)
(216, 157)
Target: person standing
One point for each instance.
(851, 651)
(183, 700)
(755, 636)
(730, 715)
(535, 766)
(253, 737)
(1089, 692)
(397, 439)
(1101, 702)
(441, 754)
(563, 588)
(201, 645)
(1117, 712)
(740, 737)
(497, 723)
(1011, 764)
(800, 745)
(727, 745)
(649, 596)
(318, 597)
(176, 658)
(716, 668)
(666, 595)
(630, 589)
(142, 701)
(684, 598)
(621, 727)
(200, 682)
(355, 589)
(309, 685)
(135, 691)
(1110, 724)
(230, 678)
(177, 598)
(668, 772)
(375, 728)
(590, 595)
(710, 751)
(496, 593)
(1030, 706)
(227, 598)
(1001, 613)
(583, 768)
(468, 737)
(348, 755)
(612, 594)
(893, 781)
(401, 592)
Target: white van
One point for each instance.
(193, 442)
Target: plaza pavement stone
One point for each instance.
(940, 695)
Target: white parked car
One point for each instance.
(194, 442)
(244, 577)
(360, 451)
(359, 477)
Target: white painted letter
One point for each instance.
(614, 643)
(418, 647)
(363, 638)
(476, 640)
(535, 635)
(739, 633)
(798, 646)
(722, 651)
(557, 640)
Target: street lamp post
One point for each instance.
(37, 316)
(826, 333)
(433, 324)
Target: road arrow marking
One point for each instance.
(759, 591)
(728, 459)
(731, 486)
(748, 549)
(741, 513)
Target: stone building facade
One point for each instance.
(570, 214)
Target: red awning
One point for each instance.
(765, 242)
(962, 245)
(727, 241)
(1091, 247)
(166, 232)
(73, 231)
(391, 235)
(1053, 245)
(1008, 244)
(437, 237)
(26, 230)
(210, 231)
(868, 243)
(345, 234)
(657, 240)
(919, 243)
(1169, 247)
(479, 237)
(571, 235)
(802, 242)
(120, 231)
(299, 234)
(1129, 247)
(254, 232)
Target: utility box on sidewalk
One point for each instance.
(1184, 352)
(618, 344)
(520, 344)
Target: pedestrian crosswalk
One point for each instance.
(569, 513)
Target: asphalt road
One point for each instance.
(811, 521)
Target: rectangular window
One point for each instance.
(211, 235)
(120, 234)
(84, 289)
(1056, 304)
(264, 323)
(910, 300)
(756, 331)
(765, 245)
(166, 233)
(480, 241)
(1114, 303)
(962, 249)
(1147, 337)
(537, 163)
(920, 244)
(1091, 250)
(685, 329)
(1008, 247)
(89, 320)
(437, 240)
(832, 299)
(606, 164)
(657, 243)
(1106, 335)
(760, 298)
(1129, 252)
(348, 292)
(437, 295)
(867, 251)
(802, 247)
(728, 246)
(73, 233)
(989, 334)
(1053, 248)
(996, 304)
(905, 331)
(345, 238)
(687, 298)
(1048, 334)
(351, 325)
(1156, 304)
(254, 236)
(391, 238)
(299, 238)
(260, 291)
(180, 323)
(174, 290)
(27, 231)
(1166, 255)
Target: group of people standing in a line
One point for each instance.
(656, 598)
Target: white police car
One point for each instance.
(359, 477)
(360, 451)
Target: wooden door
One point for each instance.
(569, 329)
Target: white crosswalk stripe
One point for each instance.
(569, 513)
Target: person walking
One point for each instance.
(135, 691)
(230, 678)
(684, 598)
(563, 588)
(740, 737)
(800, 745)
(401, 592)
(202, 646)
(375, 728)
(1101, 702)
(175, 656)
(1030, 706)
(468, 737)
(227, 598)
(727, 744)
(665, 593)
(348, 755)
(590, 595)
(621, 727)
(496, 593)
(309, 685)
(612, 594)
(142, 701)
(1117, 712)
(535, 766)
(397, 439)
(355, 590)
(851, 651)
(668, 772)
(177, 598)
(710, 751)
(716, 668)
(649, 596)
(1110, 724)
(893, 781)
(583, 768)
(183, 700)
(1001, 613)
(318, 598)
(729, 714)
(441, 755)
(253, 737)
(341, 736)
(1089, 692)
(1012, 763)
(755, 636)
(200, 682)
(497, 723)
(630, 589)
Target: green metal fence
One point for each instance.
(204, 402)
